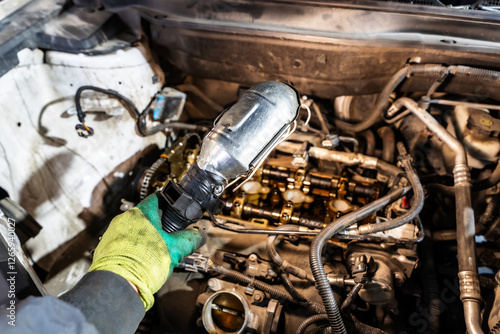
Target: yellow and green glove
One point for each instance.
(135, 247)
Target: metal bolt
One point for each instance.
(258, 297)
(218, 189)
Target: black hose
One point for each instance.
(369, 142)
(322, 283)
(310, 305)
(309, 321)
(388, 143)
(282, 264)
(354, 325)
(382, 99)
(490, 181)
(388, 169)
(239, 277)
(118, 96)
(483, 184)
(416, 206)
(490, 213)
(273, 291)
(430, 285)
(399, 76)
(350, 298)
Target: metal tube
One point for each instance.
(433, 125)
(470, 292)
(343, 157)
(465, 104)
(472, 311)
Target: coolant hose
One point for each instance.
(322, 283)
(383, 97)
(282, 264)
(369, 141)
(309, 321)
(416, 206)
(399, 76)
(388, 143)
(310, 305)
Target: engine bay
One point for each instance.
(375, 211)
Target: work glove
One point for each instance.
(135, 247)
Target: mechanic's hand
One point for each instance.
(135, 247)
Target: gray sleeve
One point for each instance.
(102, 302)
(107, 301)
(44, 315)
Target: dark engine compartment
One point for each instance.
(395, 96)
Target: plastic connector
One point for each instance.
(196, 263)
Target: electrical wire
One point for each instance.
(85, 131)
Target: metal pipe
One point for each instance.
(470, 292)
(350, 159)
(353, 141)
(465, 104)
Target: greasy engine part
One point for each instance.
(353, 60)
(278, 194)
(173, 164)
(386, 267)
(241, 139)
(282, 195)
(230, 308)
(470, 291)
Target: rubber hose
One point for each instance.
(388, 143)
(322, 283)
(350, 297)
(310, 305)
(283, 265)
(309, 321)
(399, 76)
(430, 285)
(486, 183)
(383, 97)
(237, 276)
(490, 213)
(369, 142)
(416, 207)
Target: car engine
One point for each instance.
(375, 209)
